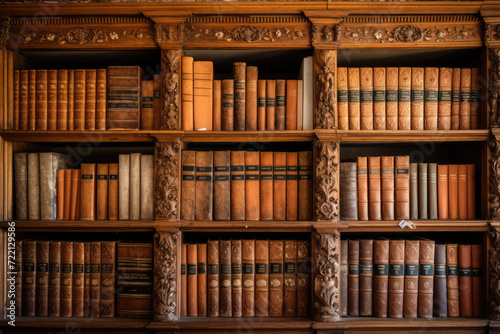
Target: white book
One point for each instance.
(123, 186)
(147, 200)
(306, 74)
(135, 186)
(300, 106)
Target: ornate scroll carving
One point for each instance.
(326, 277)
(167, 180)
(165, 277)
(324, 86)
(494, 87)
(326, 187)
(494, 182)
(243, 34)
(170, 67)
(4, 32)
(494, 274)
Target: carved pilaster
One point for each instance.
(326, 277)
(494, 86)
(167, 181)
(165, 305)
(326, 193)
(4, 32)
(168, 33)
(325, 89)
(170, 67)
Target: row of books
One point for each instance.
(388, 188)
(246, 185)
(408, 98)
(410, 278)
(77, 279)
(244, 102)
(246, 278)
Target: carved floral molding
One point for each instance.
(326, 192)
(167, 180)
(170, 67)
(4, 32)
(165, 277)
(494, 87)
(247, 34)
(324, 87)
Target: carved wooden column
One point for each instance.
(492, 41)
(4, 32)
(167, 182)
(326, 180)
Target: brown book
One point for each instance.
(184, 278)
(353, 98)
(374, 191)
(303, 278)
(239, 76)
(75, 194)
(477, 280)
(222, 185)
(79, 279)
(102, 192)
(112, 191)
(432, 190)
(453, 191)
(261, 105)
(410, 297)
(18, 267)
(280, 111)
(262, 278)
(266, 185)
(62, 100)
(68, 175)
(402, 187)
(248, 277)
(236, 279)
(440, 304)
(442, 185)
(238, 185)
(391, 98)
(147, 102)
(290, 279)
(475, 98)
(342, 104)
(462, 192)
(203, 95)
(252, 183)
(471, 191)
(452, 280)
(42, 279)
(431, 85)
(379, 96)
(41, 100)
(227, 111)
(192, 280)
(305, 186)
(212, 277)
(291, 185)
(60, 193)
(95, 279)
(423, 191)
(404, 98)
(187, 93)
(291, 105)
(387, 180)
(71, 100)
(54, 279)
(279, 191)
(380, 277)
(465, 280)
(362, 163)
(251, 98)
(396, 278)
(32, 99)
(225, 299)
(14, 91)
(29, 278)
(444, 97)
(455, 99)
(108, 259)
(344, 300)
(158, 82)
(66, 279)
(88, 196)
(365, 277)
(203, 185)
(90, 99)
(366, 98)
(353, 279)
(417, 98)
(86, 283)
(51, 99)
(20, 98)
(270, 105)
(21, 186)
(465, 97)
(201, 275)
(100, 103)
(217, 106)
(188, 185)
(426, 279)
(79, 100)
(348, 191)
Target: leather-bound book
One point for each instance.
(354, 105)
(477, 280)
(42, 279)
(402, 187)
(465, 97)
(426, 279)
(387, 180)
(365, 277)
(51, 99)
(95, 278)
(248, 277)
(187, 93)
(422, 191)
(348, 191)
(217, 106)
(188, 185)
(79, 279)
(66, 279)
(279, 191)
(112, 191)
(380, 277)
(184, 277)
(280, 111)
(442, 188)
(203, 95)
(262, 278)
(414, 190)
(108, 260)
(62, 100)
(201, 274)
(41, 100)
(290, 279)
(291, 185)
(252, 183)
(86, 283)
(18, 298)
(88, 196)
(75, 195)
(353, 279)
(410, 297)
(344, 254)
(270, 105)
(465, 280)
(475, 98)
(366, 97)
(417, 98)
(147, 100)
(222, 185)
(444, 98)
(29, 278)
(440, 303)
(102, 192)
(404, 99)
(192, 280)
(379, 93)
(21, 185)
(396, 278)
(22, 98)
(432, 190)
(34, 186)
(342, 104)
(90, 99)
(303, 278)
(300, 104)
(71, 100)
(147, 187)
(68, 174)
(204, 185)
(32, 99)
(291, 105)
(455, 99)
(239, 75)
(225, 299)
(266, 185)
(227, 108)
(261, 105)
(49, 164)
(471, 191)
(54, 292)
(391, 98)
(452, 280)
(453, 191)
(158, 82)
(251, 98)
(462, 192)
(238, 185)
(362, 163)
(374, 192)
(236, 279)
(100, 104)
(276, 270)
(212, 277)
(305, 186)
(431, 85)
(79, 101)
(60, 193)
(15, 100)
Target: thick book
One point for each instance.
(225, 299)
(442, 189)
(410, 296)
(227, 108)
(42, 279)
(50, 162)
(239, 76)
(21, 185)
(266, 185)
(291, 185)
(66, 279)
(147, 187)
(431, 86)
(201, 275)
(29, 278)
(54, 293)
(102, 192)
(270, 105)
(366, 98)
(387, 187)
(95, 279)
(32, 99)
(248, 277)
(477, 280)
(88, 192)
(426, 279)
(465, 280)
(22, 94)
(354, 105)
(221, 184)
(147, 100)
(414, 190)
(440, 300)
(113, 191)
(455, 98)
(365, 277)
(471, 191)
(51, 99)
(432, 190)
(279, 190)
(290, 279)
(475, 99)
(79, 100)
(465, 97)
(204, 185)
(217, 106)
(417, 98)
(353, 279)
(306, 74)
(236, 279)
(305, 186)
(261, 105)
(135, 186)
(276, 281)
(78, 279)
(291, 105)
(342, 104)
(238, 211)
(380, 277)
(252, 186)
(34, 186)
(203, 75)
(303, 277)
(212, 279)
(188, 185)
(187, 93)
(86, 280)
(18, 297)
(396, 278)
(280, 111)
(404, 98)
(402, 187)
(462, 192)
(344, 255)
(453, 191)
(391, 98)
(262, 278)
(348, 191)
(100, 103)
(374, 191)
(62, 100)
(379, 95)
(452, 280)
(90, 99)
(444, 98)
(108, 260)
(362, 163)
(423, 191)
(251, 98)
(184, 278)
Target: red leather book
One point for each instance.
(444, 98)
(239, 75)
(353, 277)
(252, 186)
(62, 100)
(54, 300)
(262, 278)
(426, 279)
(184, 278)
(270, 105)
(201, 275)
(379, 95)
(95, 278)
(362, 188)
(280, 111)
(291, 185)
(79, 279)
(417, 98)
(66, 279)
(404, 99)
(402, 187)
(42, 279)
(236, 279)
(90, 99)
(290, 279)
(380, 277)
(431, 82)
(396, 278)
(222, 185)
(365, 277)
(279, 191)
(471, 191)
(238, 185)
(442, 184)
(465, 280)
(465, 97)
(266, 185)
(342, 104)
(192, 280)
(225, 300)
(261, 105)
(100, 100)
(227, 108)
(453, 191)
(51, 99)
(475, 118)
(462, 192)
(212, 277)
(108, 260)
(248, 277)
(366, 98)
(303, 278)
(477, 280)
(251, 98)
(187, 93)
(391, 98)
(276, 269)
(387, 180)
(452, 280)
(204, 185)
(455, 98)
(217, 106)
(203, 94)
(374, 192)
(353, 98)
(410, 297)
(41, 100)
(188, 185)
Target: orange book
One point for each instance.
(158, 82)
(471, 191)
(362, 188)
(391, 98)
(270, 105)
(404, 99)
(41, 100)
(217, 107)
(305, 186)
(51, 99)
(251, 98)
(291, 105)
(75, 191)
(462, 192)
(184, 280)
(378, 98)
(444, 104)
(71, 99)
(202, 279)
(60, 194)
(67, 193)
(455, 99)
(87, 197)
(387, 187)
(203, 72)
(192, 280)
(100, 102)
(353, 98)
(366, 98)
(261, 105)
(465, 95)
(23, 99)
(417, 98)
(342, 104)
(465, 280)
(239, 75)
(90, 98)
(62, 100)
(292, 161)
(266, 185)
(431, 84)
(147, 105)
(276, 277)
(280, 111)
(15, 101)
(474, 99)
(453, 191)
(374, 189)
(252, 183)
(113, 192)
(443, 191)
(279, 190)
(79, 101)
(102, 191)
(187, 93)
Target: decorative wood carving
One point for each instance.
(494, 182)
(247, 34)
(494, 274)
(325, 86)
(165, 277)
(167, 180)
(326, 186)
(325, 33)
(4, 32)
(170, 67)
(494, 87)
(165, 33)
(326, 277)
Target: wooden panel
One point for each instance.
(247, 324)
(56, 322)
(83, 226)
(77, 136)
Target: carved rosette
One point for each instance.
(4, 32)
(326, 186)
(324, 88)
(326, 277)
(170, 67)
(167, 180)
(494, 87)
(165, 277)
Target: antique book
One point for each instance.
(402, 187)
(225, 297)
(95, 278)
(279, 190)
(147, 100)
(380, 277)
(158, 82)
(79, 279)
(66, 279)
(124, 186)
(68, 175)
(431, 82)
(391, 98)
(29, 278)
(396, 278)
(432, 190)
(365, 277)
(221, 184)
(465, 97)
(366, 98)
(62, 100)
(354, 106)
(353, 279)
(32, 99)
(112, 191)
(455, 99)
(261, 105)
(291, 185)
(276, 280)
(475, 99)
(387, 187)
(251, 98)
(417, 98)
(262, 278)
(404, 98)
(50, 162)
(462, 192)
(217, 106)
(374, 192)
(465, 279)
(236, 279)
(135, 186)
(34, 186)
(71, 100)
(248, 277)
(227, 107)
(280, 111)
(270, 105)
(239, 76)
(440, 303)
(18, 297)
(204, 185)
(300, 104)
(54, 292)
(303, 277)
(442, 188)
(238, 185)
(187, 93)
(203, 75)
(306, 186)
(379, 96)
(75, 194)
(477, 280)
(188, 185)
(22, 95)
(290, 279)
(108, 260)
(15, 100)
(362, 163)
(422, 191)
(102, 192)
(201, 275)
(86, 280)
(306, 74)
(90, 99)
(51, 99)
(426, 279)
(453, 191)
(252, 183)
(100, 104)
(192, 280)
(342, 104)
(410, 296)
(147, 187)
(21, 185)
(212, 278)
(79, 101)
(42, 279)
(452, 280)
(184, 277)
(266, 185)
(348, 191)
(471, 191)
(414, 190)
(291, 105)
(444, 98)
(88, 192)
(344, 255)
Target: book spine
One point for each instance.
(465, 97)
(135, 186)
(290, 279)
(51, 100)
(225, 297)
(15, 99)
(201, 275)
(78, 279)
(410, 298)
(124, 186)
(113, 192)
(147, 105)
(227, 111)
(42, 279)
(362, 188)
(374, 191)
(387, 187)
(306, 186)
(95, 279)
(477, 280)
(108, 260)
(29, 278)
(102, 192)
(217, 106)
(353, 97)
(147, 187)
(402, 187)
(465, 280)
(18, 298)
(266, 185)
(203, 73)
(380, 277)
(204, 185)
(452, 280)
(236, 279)
(261, 105)
(280, 104)
(432, 190)
(60, 193)
(88, 198)
(222, 185)
(270, 105)
(62, 100)
(75, 194)
(66, 279)
(379, 98)
(279, 190)
(342, 104)
(251, 98)
(417, 98)
(262, 278)
(440, 303)
(344, 255)
(303, 278)
(212, 277)
(187, 93)
(422, 191)
(431, 78)
(462, 192)
(404, 99)
(211, 253)
(238, 185)
(348, 191)
(353, 279)
(475, 119)
(34, 186)
(366, 98)
(158, 82)
(32, 99)
(41, 100)
(444, 98)
(86, 283)
(90, 99)
(188, 185)
(442, 185)
(455, 99)
(365, 277)
(79, 100)
(248, 277)
(291, 105)
(396, 278)
(391, 104)
(68, 175)
(291, 185)
(21, 185)
(453, 191)
(100, 104)
(252, 183)
(71, 100)
(54, 292)
(21, 99)
(471, 191)
(426, 279)
(239, 75)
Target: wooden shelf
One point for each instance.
(440, 225)
(395, 136)
(244, 324)
(77, 136)
(84, 225)
(94, 323)
(240, 226)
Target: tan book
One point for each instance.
(79, 100)
(261, 105)
(417, 98)
(426, 279)
(291, 105)
(108, 260)
(387, 187)
(292, 185)
(212, 278)
(353, 98)
(211, 252)
(455, 98)
(102, 192)
(465, 97)
(67, 193)
(396, 278)
(452, 280)
(227, 112)
(88, 195)
(113, 192)
(374, 189)
(262, 278)
(248, 277)
(252, 186)
(236, 279)
(222, 185)
(279, 191)
(475, 110)
(157, 108)
(201, 276)
(60, 194)
(62, 100)
(90, 99)
(290, 279)
(251, 99)
(300, 104)
(147, 187)
(187, 185)
(404, 99)
(66, 279)
(266, 185)
(471, 191)
(305, 186)
(342, 101)
(135, 186)
(410, 298)
(78, 279)
(276, 267)
(217, 106)
(75, 195)
(379, 95)
(100, 103)
(239, 76)
(402, 187)
(54, 278)
(270, 105)
(391, 98)
(147, 105)
(95, 279)
(366, 98)
(444, 97)
(362, 172)
(238, 211)
(42, 279)
(431, 84)
(280, 112)
(124, 186)
(203, 72)
(51, 99)
(187, 93)
(225, 296)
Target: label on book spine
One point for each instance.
(426, 269)
(289, 268)
(275, 268)
(366, 96)
(202, 268)
(353, 96)
(417, 95)
(431, 96)
(444, 96)
(213, 269)
(378, 96)
(261, 268)
(465, 96)
(191, 269)
(381, 269)
(465, 271)
(225, 269)
(183, 269)
(391, 95)
(440, 270)
(353, 269)
(396, 270)
(404, 95)
(236, 268)
(342, 96)
(411, 269)
(247, 268)
(366, 269)
(477, 272)
(452, 270)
